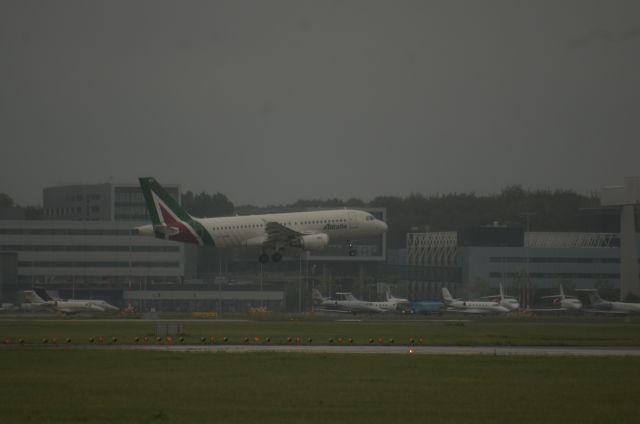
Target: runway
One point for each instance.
(398, 350)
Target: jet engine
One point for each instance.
(311, 242)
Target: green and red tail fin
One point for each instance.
(170, 221)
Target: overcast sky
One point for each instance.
(272, 101)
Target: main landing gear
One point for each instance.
(275, 257)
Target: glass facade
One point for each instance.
(544, 267)
(129, 204)
(81, 251)
(99, 202)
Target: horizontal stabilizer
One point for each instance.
(166, 230)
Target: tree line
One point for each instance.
(540, 210)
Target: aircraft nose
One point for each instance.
(382, 225)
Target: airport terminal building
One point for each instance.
(98, 202)
(89, 252)
(513, 257)
(88, 237)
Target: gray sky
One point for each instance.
(272, 101)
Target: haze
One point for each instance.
(272, 101)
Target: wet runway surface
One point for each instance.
(404, 350)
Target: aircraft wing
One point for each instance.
(338, 311)
(277, 232)
(546, 310)
(605, 311)
(166, 230)
(464, 311)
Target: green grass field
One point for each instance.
(86, 386)
(90, 386)
(604, 332)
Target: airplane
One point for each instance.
(96, 303)
(66, 307)
(9, 307)
(567, 303)
(300, 230)
(391, 304)
(102, 304)
(343, 303)
(602, 306)
(509, 302)
(471, 307)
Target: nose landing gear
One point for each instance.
(351, 250)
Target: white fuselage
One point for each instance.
(250, 230)
(623, 307)
(571, 303)
(388, 305)
(70, 307)
(348, 303)
(476, 307)
(510, 303)
(93, 305)
(35, 302)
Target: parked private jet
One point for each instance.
(345, 303)
(509, 302)
(65, 306)
(392, 303)
(565, 303)
(602, 306)
(270, 232)
(9, 307)
(103, 305)
(471, 306)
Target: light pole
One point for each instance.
(524, 294)
(300, 283)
